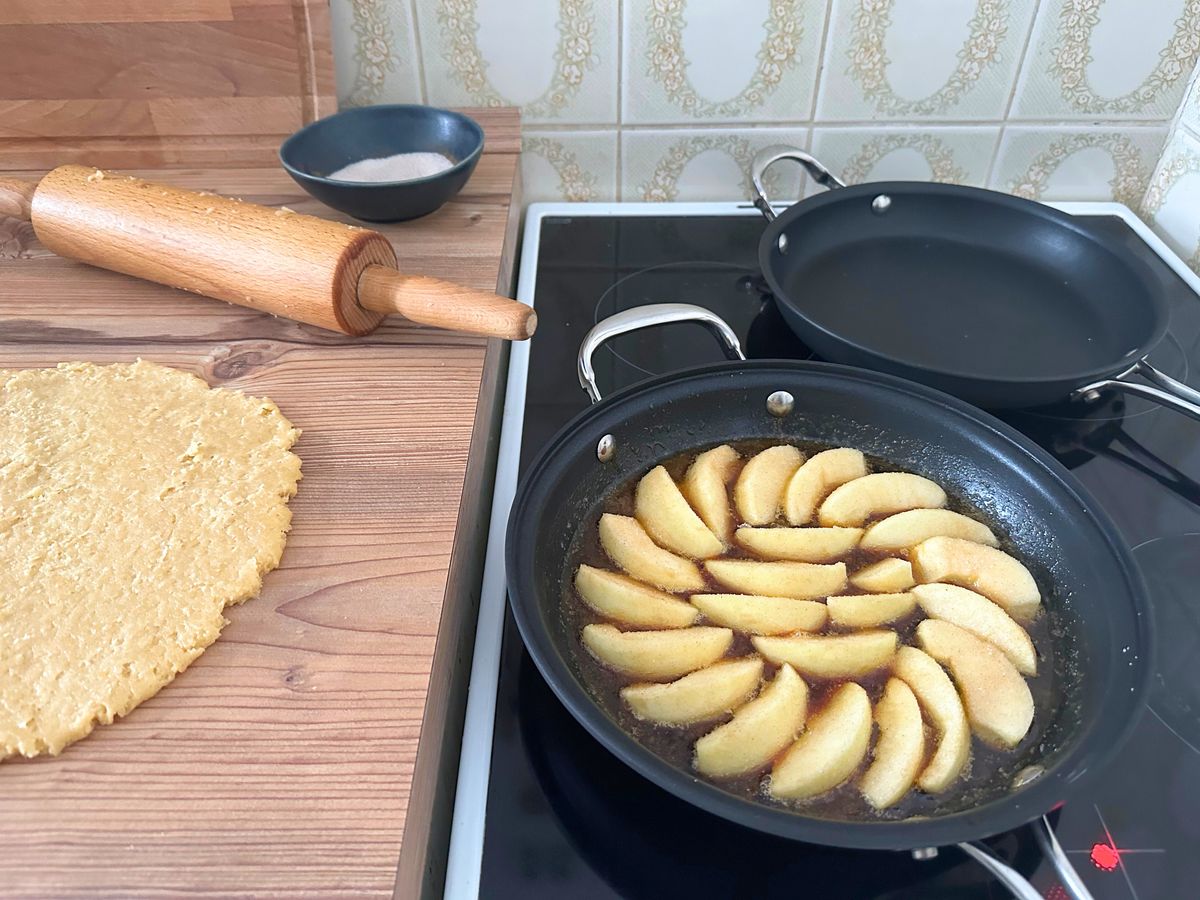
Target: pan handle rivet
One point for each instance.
(881, 204)
(924, 853)
(780, 403)
(782, 243)
(607, 448)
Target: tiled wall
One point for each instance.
(668, 99)
(1172, 204)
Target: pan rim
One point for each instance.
(1160, 310)
(1001, 814)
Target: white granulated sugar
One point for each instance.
(398, 167)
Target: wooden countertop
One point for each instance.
(285, 761)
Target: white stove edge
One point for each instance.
(470, 804)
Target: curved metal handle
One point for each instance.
(1170, 393)
(768, 156)
(644, 317)
(1016, 883)
(1053, 851)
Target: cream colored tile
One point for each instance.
(1077, 163)
(374, 53)
(707, 164)
(569, 165)
(716, 61)
(1172, 201)
(922, 59)
(954, 155)
(1112, 59)
(1189, 116)
(556, 59)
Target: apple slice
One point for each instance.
(999, 704)
(833, 744)
(631, 602)
(816, 478)
(888, 576)
(909, 528)
(706, 487)
(869, 610)
(669, 520)
(627, 544)
(936, 695)
(754, 614)
(830, 656)
(983, 618)
(758, 493)
(880, 494)
(800, 581)
(656, 655)
(757, 731)
(704, 694)
(985, 570)
(900, 748)
(800, 544)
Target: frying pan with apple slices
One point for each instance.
(1090, 591)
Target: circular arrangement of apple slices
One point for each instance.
(809, 619)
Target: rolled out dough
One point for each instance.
(136, 503)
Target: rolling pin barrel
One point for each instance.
(284, 263)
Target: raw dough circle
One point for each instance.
(136, 503)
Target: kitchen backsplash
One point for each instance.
(669, 99)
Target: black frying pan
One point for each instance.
(1001, 301)
(1094, 592)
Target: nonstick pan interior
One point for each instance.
(995, 299)
(1092, 587)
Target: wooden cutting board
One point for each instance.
(138, 83)
(284, 762)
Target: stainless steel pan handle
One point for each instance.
(1170, 393)
(1054, 852)
(645, 317)
(1016, 883)
(768, 156)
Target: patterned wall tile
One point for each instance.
(374, 52)
(708, 164)
(1077, 163)
(922, 59)
(954, 155)
(1112, 59)
(1172, 201)
(569, 165)
(556, 59)
(716, 61)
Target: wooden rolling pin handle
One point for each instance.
(444, 304)
(16, 197)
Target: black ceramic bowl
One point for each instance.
(369, 132)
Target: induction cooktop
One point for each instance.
(543, 811)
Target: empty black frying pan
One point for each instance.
(1094, 593)
(998, 300)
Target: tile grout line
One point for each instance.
(416, 30)
(828, 24)
(878, 124)
(618, 162)
(1012, 95)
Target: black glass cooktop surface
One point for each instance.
(566, 819)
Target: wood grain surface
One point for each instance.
(124, 83)
(284, 762)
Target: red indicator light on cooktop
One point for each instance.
(1105, 857)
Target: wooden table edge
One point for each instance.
(421, 868)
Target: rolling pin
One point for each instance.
(335, 276)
